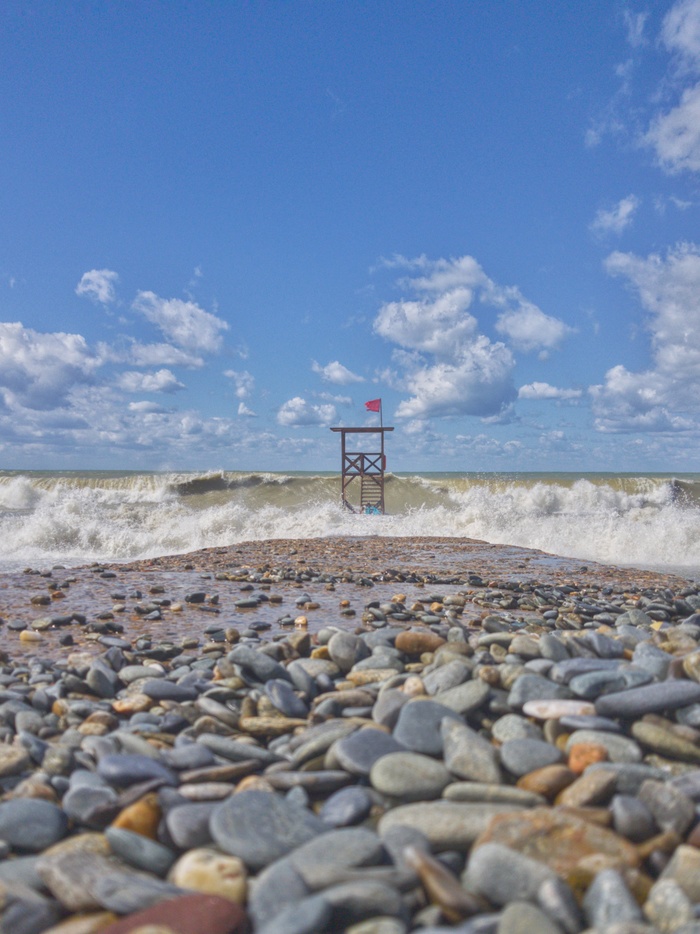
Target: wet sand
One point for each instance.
(338, 575)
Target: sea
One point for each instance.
(649, 521)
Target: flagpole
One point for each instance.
(381, 417)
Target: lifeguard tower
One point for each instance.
(366, 466)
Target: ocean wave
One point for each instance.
(644, 521)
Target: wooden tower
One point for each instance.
(366, 466)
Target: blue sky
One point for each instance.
(225, 226)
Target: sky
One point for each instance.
(225, 226)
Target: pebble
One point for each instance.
(409, 776)
(478, 755)
(260, 827)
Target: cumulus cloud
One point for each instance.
(442, 359)
(545, 391)
(528, 328)
(38, 370)
(479, 382)
(674, 134)
(336, 373)
(243, 381)
(98, 285)
(617, 218)
(160, 381)
(298, 411)
(245, 412)
(664, 397)
(183, 323)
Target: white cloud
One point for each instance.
(184, 323)
(38, 370)
(675, 135)
(160, 381)
(545, 391)
(635, 23)
(617, 218)
(663, 397)
(146, 408)
(681, 31)
(428, 326)
(479, 383)
(136, 354)
(243, 380)
(244, 411)
(448, 366)
(528, 328)
(298, 411)
(336, 373)
(98, 285)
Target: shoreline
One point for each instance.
(45, 612)
(315, 735)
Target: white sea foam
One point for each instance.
(651, 522)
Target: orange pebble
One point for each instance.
(581, 755)
(143, 816)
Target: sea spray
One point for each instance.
(648, 521)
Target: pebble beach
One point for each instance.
(360, 735)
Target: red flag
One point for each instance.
(374, 405)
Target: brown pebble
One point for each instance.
(547, 781)
(414, 642)
(141, 817)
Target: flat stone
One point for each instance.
(358, 752)
(188, 824)
(608, 901)
(652, 698)
(356, 901)
(631, 817)
(491, 794)
(447, 676)
(140, 852)
(273, 890)
(464, 698)
(409, 776)
(186, 914)
(556, 838)
(548, 781)
(469, 755)
(418, 641)
(31, 825)
(504, 875)
(347, 649)
(664, 742)
(161, 689)
(671, 809)
(124, 769)
(284, 698)
(530, 687)
(520, 756)
(306, 916)
(523, 918)
(347, 848)
(447, 825)
(513, 726)
(348, 806)
(261, 826)
(591, 788)
(418, 726)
